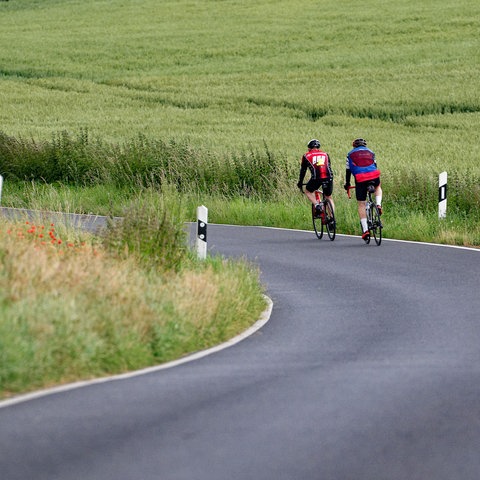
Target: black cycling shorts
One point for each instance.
(361, 188)
(315, 184)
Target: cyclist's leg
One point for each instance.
(361, 195)
(329, 197)
(362, 213)
(378, 194)
(310, 188)
(328, 190)
(311, 196)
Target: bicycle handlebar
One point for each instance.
(348, 191)
(301, 189)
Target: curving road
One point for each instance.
(368, 369)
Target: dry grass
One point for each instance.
(70, 310)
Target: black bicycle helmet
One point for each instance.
(313, 143)
(359, 142)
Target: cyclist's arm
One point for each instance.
(303, 171)
(348, 176)
(348, 173)
(330, 171)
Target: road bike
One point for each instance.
(325, 220)
(374, 222)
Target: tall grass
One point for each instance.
(151, 231)
(140, 163)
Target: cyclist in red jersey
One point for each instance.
(318, 162)
(361, 163)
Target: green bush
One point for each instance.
(141, 162)
(149, 231)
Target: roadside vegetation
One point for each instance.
(78, 174)
(117, 108)
(78, 306)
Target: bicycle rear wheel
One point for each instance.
(369, 223)
(317, 224)
(330, 223)
(376, 224)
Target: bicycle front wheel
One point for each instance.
(317, 224)
(376, 225)
(330, 223)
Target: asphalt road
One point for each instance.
(368, 369)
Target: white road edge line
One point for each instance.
(264, 318)
(461, 247)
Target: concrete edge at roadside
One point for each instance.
(264, 318)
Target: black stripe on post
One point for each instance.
(202, 230)
(442, 193)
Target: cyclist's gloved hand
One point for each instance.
(300, 185)
(346, 186)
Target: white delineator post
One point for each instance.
(202, 221)
(442, 195)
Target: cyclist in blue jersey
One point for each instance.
(362, 165)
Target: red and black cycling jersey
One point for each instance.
(318, 163)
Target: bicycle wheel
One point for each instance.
(330, 223)
(369, 223)
(317, 224)
(376, 224)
